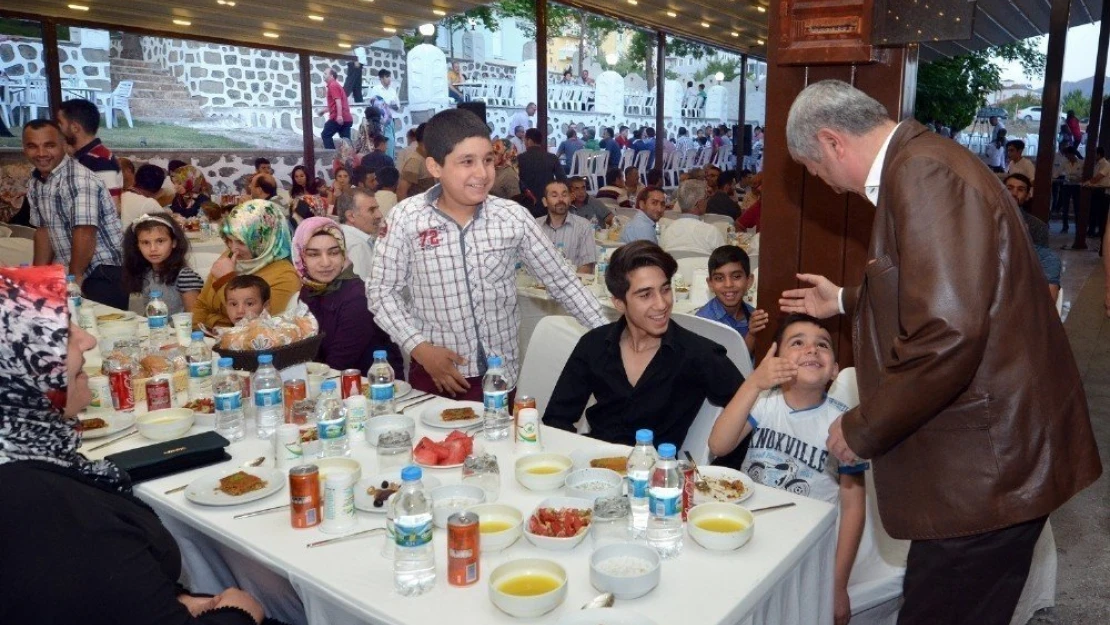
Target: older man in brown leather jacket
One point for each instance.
(971, 406)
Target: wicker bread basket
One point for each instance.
(285, 356)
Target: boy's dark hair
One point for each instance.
(571, 133)
(632, 256)
(135, 265)
(149, 178)
(1022, 178)
(266, 183)
(575, 180)
(175, 165)
(565, 183)
(654, 177)
(1016, 143)
(419, 133)
(682, 132)
(612, 175)
(649, 132)
(250, 281)
(729, 254)
(449, 128)
(361, 172)
(379, 140)
(534, 135)
(83, 112)
(630, 168)
(384, 73)
(39, 124)
(793, 318)
(260, 161)
(726, 178)
(388, 177)
(642, 196)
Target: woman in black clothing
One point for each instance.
(77, 546)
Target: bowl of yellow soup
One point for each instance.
(165, 424)
(543, 471)
(499, 526)
(528, 588)
(628, 570)
(720, 526)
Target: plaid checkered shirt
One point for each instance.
(462, 279)
(72, 196)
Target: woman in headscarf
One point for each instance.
(337, 298)
(81, 548)
(192, 191)
(506, 184)
(258, 242)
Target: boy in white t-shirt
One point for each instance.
(784, 401)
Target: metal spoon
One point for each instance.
(253, 463)
(699, 481)
(604, 600)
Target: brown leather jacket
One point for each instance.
(971, 406)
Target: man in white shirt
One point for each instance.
(571, 234)
(522, 119)
(360, 220)
(139, 199)
(1015, 162)
(388, 93)
(689, 233)
(518, 139)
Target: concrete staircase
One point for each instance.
(156, 96)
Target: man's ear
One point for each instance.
(831, 141)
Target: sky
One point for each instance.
(1079, 56)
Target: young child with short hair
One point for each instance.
(246, 296)
(456, 249)
(730, 277)
(784, 402)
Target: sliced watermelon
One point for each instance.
(425, 455)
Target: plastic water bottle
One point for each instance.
(73, 298)
(200, 368)
(664, 530)
(266, 387)
(158, 320)
(205, 225)
(228, 401)
(640, 463)
(381, 377)
(414, 559)
(331, 422)
(495, 396)
(600, 289)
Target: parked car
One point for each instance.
(1033, 114)
(988, 112)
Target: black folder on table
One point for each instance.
(169, 457)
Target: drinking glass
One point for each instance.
(481, 470)
(612, 516)
(394, 450)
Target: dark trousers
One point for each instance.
(971, 580)
(331, 128)
(105, 285)
(1068, 197)
(1100, 203)
(421, 380)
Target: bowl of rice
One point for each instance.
(628, 570)
(594, 483)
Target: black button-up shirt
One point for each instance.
(687, 370)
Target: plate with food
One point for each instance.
(99, 425)
(373, 493)
(450, 415)
(613, 457)
(232, 487)
(723, 484)
(448, 453)
(201, 406)
(110, 315)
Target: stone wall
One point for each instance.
(84, 60)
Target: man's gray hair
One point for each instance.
(689, 193)
(831, 104)
(346, 202)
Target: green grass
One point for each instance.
(156, 136)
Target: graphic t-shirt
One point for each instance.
(788, 447)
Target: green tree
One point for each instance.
(640, 53)
(729, 67)
(951, 90)
(1076, 101)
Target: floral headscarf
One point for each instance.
(503, 155)
(35, 323)
(308, 229)
(261, 226)
(192, 180)
(318, 204)
(345, 157)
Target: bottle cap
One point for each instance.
(379, 354)
(666, 450)
(265, 359)
(154, 294)
(226, 363)
(198, 335)
(411, 474)
(494, 361)
(328, 385)
(71, 278)
(644, 436)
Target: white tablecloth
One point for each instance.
(784, 575)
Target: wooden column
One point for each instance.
(742, 111)
(53, 66)
(805, 226)
(541, 68)
(1050, 105)
(1094, 126)
(660, 93)
(308, 133)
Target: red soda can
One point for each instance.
(687, 470)
(462, 549)
(158, 394)
(119, 380)
(293, 392)
(351, 383)
(304, 492)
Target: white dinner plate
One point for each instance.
(401, 389)
(321, 369)
(430, 414)
(111, 315)
(604, 616)
(582, 457)
(117, 422)
(205, 490)
(710, 472)
(365, 501)
(437, 466)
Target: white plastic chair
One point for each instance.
(202, 262)
(581, 163)
(681, 254)
(118, 100)
(641, 164)
(721, 334)
(550, 347)
(599, 165)
(714, 218)
(627, 213)
(697, 436)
